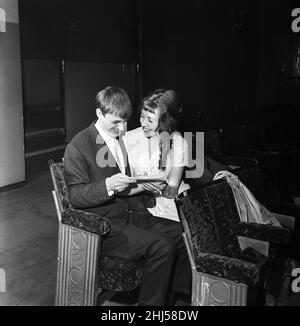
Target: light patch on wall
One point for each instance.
(2, 280)
(2, 20)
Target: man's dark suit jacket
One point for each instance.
(86, 180)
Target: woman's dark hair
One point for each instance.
(170, 108)
(167, 101)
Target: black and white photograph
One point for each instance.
(149, 155)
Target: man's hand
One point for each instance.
(154, 187)
(118, 182)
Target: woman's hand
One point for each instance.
(170, 192)
(156, 187)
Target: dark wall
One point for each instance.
(82, 81)
(86, 31)
(79, 30)
(278, 46)
(221, 56)
(207, 50)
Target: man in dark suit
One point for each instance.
(95, 168)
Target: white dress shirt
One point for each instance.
(144, 155)
(114, 147)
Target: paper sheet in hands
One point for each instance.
(148, 178)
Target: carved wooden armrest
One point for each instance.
(86, 221)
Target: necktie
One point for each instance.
(118, 155)
(122, 157)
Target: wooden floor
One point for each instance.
(28, 247)
(28, 243)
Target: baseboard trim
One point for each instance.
(14, 186)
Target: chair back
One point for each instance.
(209, 217)
(60, 185)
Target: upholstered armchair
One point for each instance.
(82, 272)
(267, 172)
(229, 259)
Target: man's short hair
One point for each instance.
(114, 100)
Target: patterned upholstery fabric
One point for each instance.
(210, 220)
(225, 214)
(114, 273)
(268, 233)
(60, 185)
(237, 270)
(76, 218)
(86, 221)
(211, 230)
(119, 274)
(202, 229)
(223, 203)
